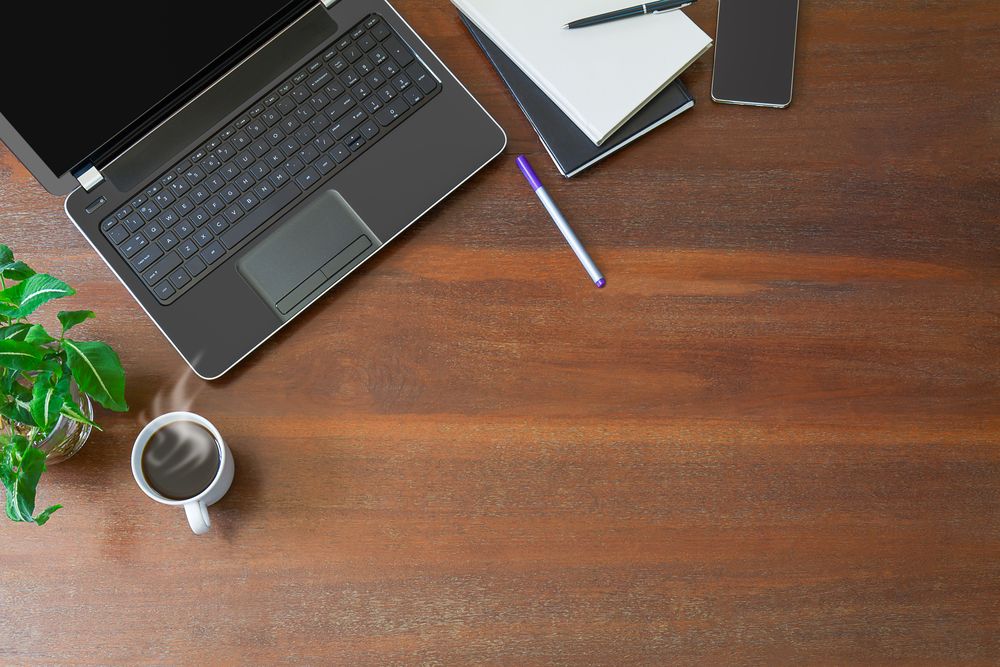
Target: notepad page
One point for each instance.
(599, 76)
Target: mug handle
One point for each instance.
(197, 516)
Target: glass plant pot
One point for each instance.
(68, 437)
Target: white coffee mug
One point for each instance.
(196, 508)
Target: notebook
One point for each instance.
(599, 76)
(570, 148)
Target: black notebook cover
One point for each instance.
(570, 148)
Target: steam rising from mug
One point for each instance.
(179, 397)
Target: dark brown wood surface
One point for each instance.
(774, 437)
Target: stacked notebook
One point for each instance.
(591, 91)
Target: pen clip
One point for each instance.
(673, 9)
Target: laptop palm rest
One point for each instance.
(310, 249)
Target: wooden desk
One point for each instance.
(774, 437)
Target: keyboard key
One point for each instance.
(278, 177)
(260, 149)
(367, 43)
(274, 158)
(199, 194)
(308, 154)
(334, 89)
(387, 93)
(372, 104)
(290, 147)
(194, 266)
(340, 106)
(179, 187)
(364, 67)
(260, 215)
(138, 201)
(330, 55)
(203, 237)
(301, 94)
(118, 234)
(413, 96)
(350, 77)
(219, 225)
(351, 121)
(286, 105)
(271, 117)
(229, 194)
(133, 223)
(133, 245)
(307, 178)
(167, 179)
(198, 155)
(400, 53)
(108, 223)
(179, 278)
(224, 152)
(162, 268)
(325, 164)
(361, 91)
(199, 217)
(271, 99)
(263, 190)
(210, 164)
(154, 229)
(369, 129)
(164, 290)
(259, 170)
(352, 53)
(302, 114)
(303, 135)
(293, 166)
(422, 78)
(163, 198)
(169, 218)
(248, 201)
(380, 32)
(257, 110)
(187, 248)
(356, 144)
(339, 64)
(376, 80)
(357, 32)
(169, 240)
(213, 252)
(389, 68)
(378, 56)
(319, 101)
(232, 214)
(244, 159)
(214, 206)
(185, 206)
(215, 183)
(153, 189)
(340, 153)
(344, 43)
(146, 257)
(319, 123)
(149, 210)
(372, 22)
(401, 82)
(244, 182)
(256, 128)
(323, 142)
(300, 77)
(319, 80)
(123, 211)
(229, 171)
(388, 115)
(194, 175)
(184, 229)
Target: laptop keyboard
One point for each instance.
(353, 92)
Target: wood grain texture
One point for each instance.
(774, 438)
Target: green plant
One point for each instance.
(35, 374)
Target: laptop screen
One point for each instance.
(78, 75)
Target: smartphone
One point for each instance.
(755, 52)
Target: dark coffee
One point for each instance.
(180, 460)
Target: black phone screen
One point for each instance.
(755, 52)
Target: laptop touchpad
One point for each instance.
(312, 246)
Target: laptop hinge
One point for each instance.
(89, 177)
(328, 3)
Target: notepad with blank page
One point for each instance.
(599, 76)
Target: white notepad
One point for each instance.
(599, 76)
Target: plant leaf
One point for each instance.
(20, 355)
(16, 270)
(25, 297)
(37, 335)
(14, 331)
(46, 514)
(6, 254)
(13, 411)
(71, 410)
(70, 318)
(21, 466)
(46, 403)
(98, 372)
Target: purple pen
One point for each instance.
(560, 220)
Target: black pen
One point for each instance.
(638, 10)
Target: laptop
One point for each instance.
(232, 163)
